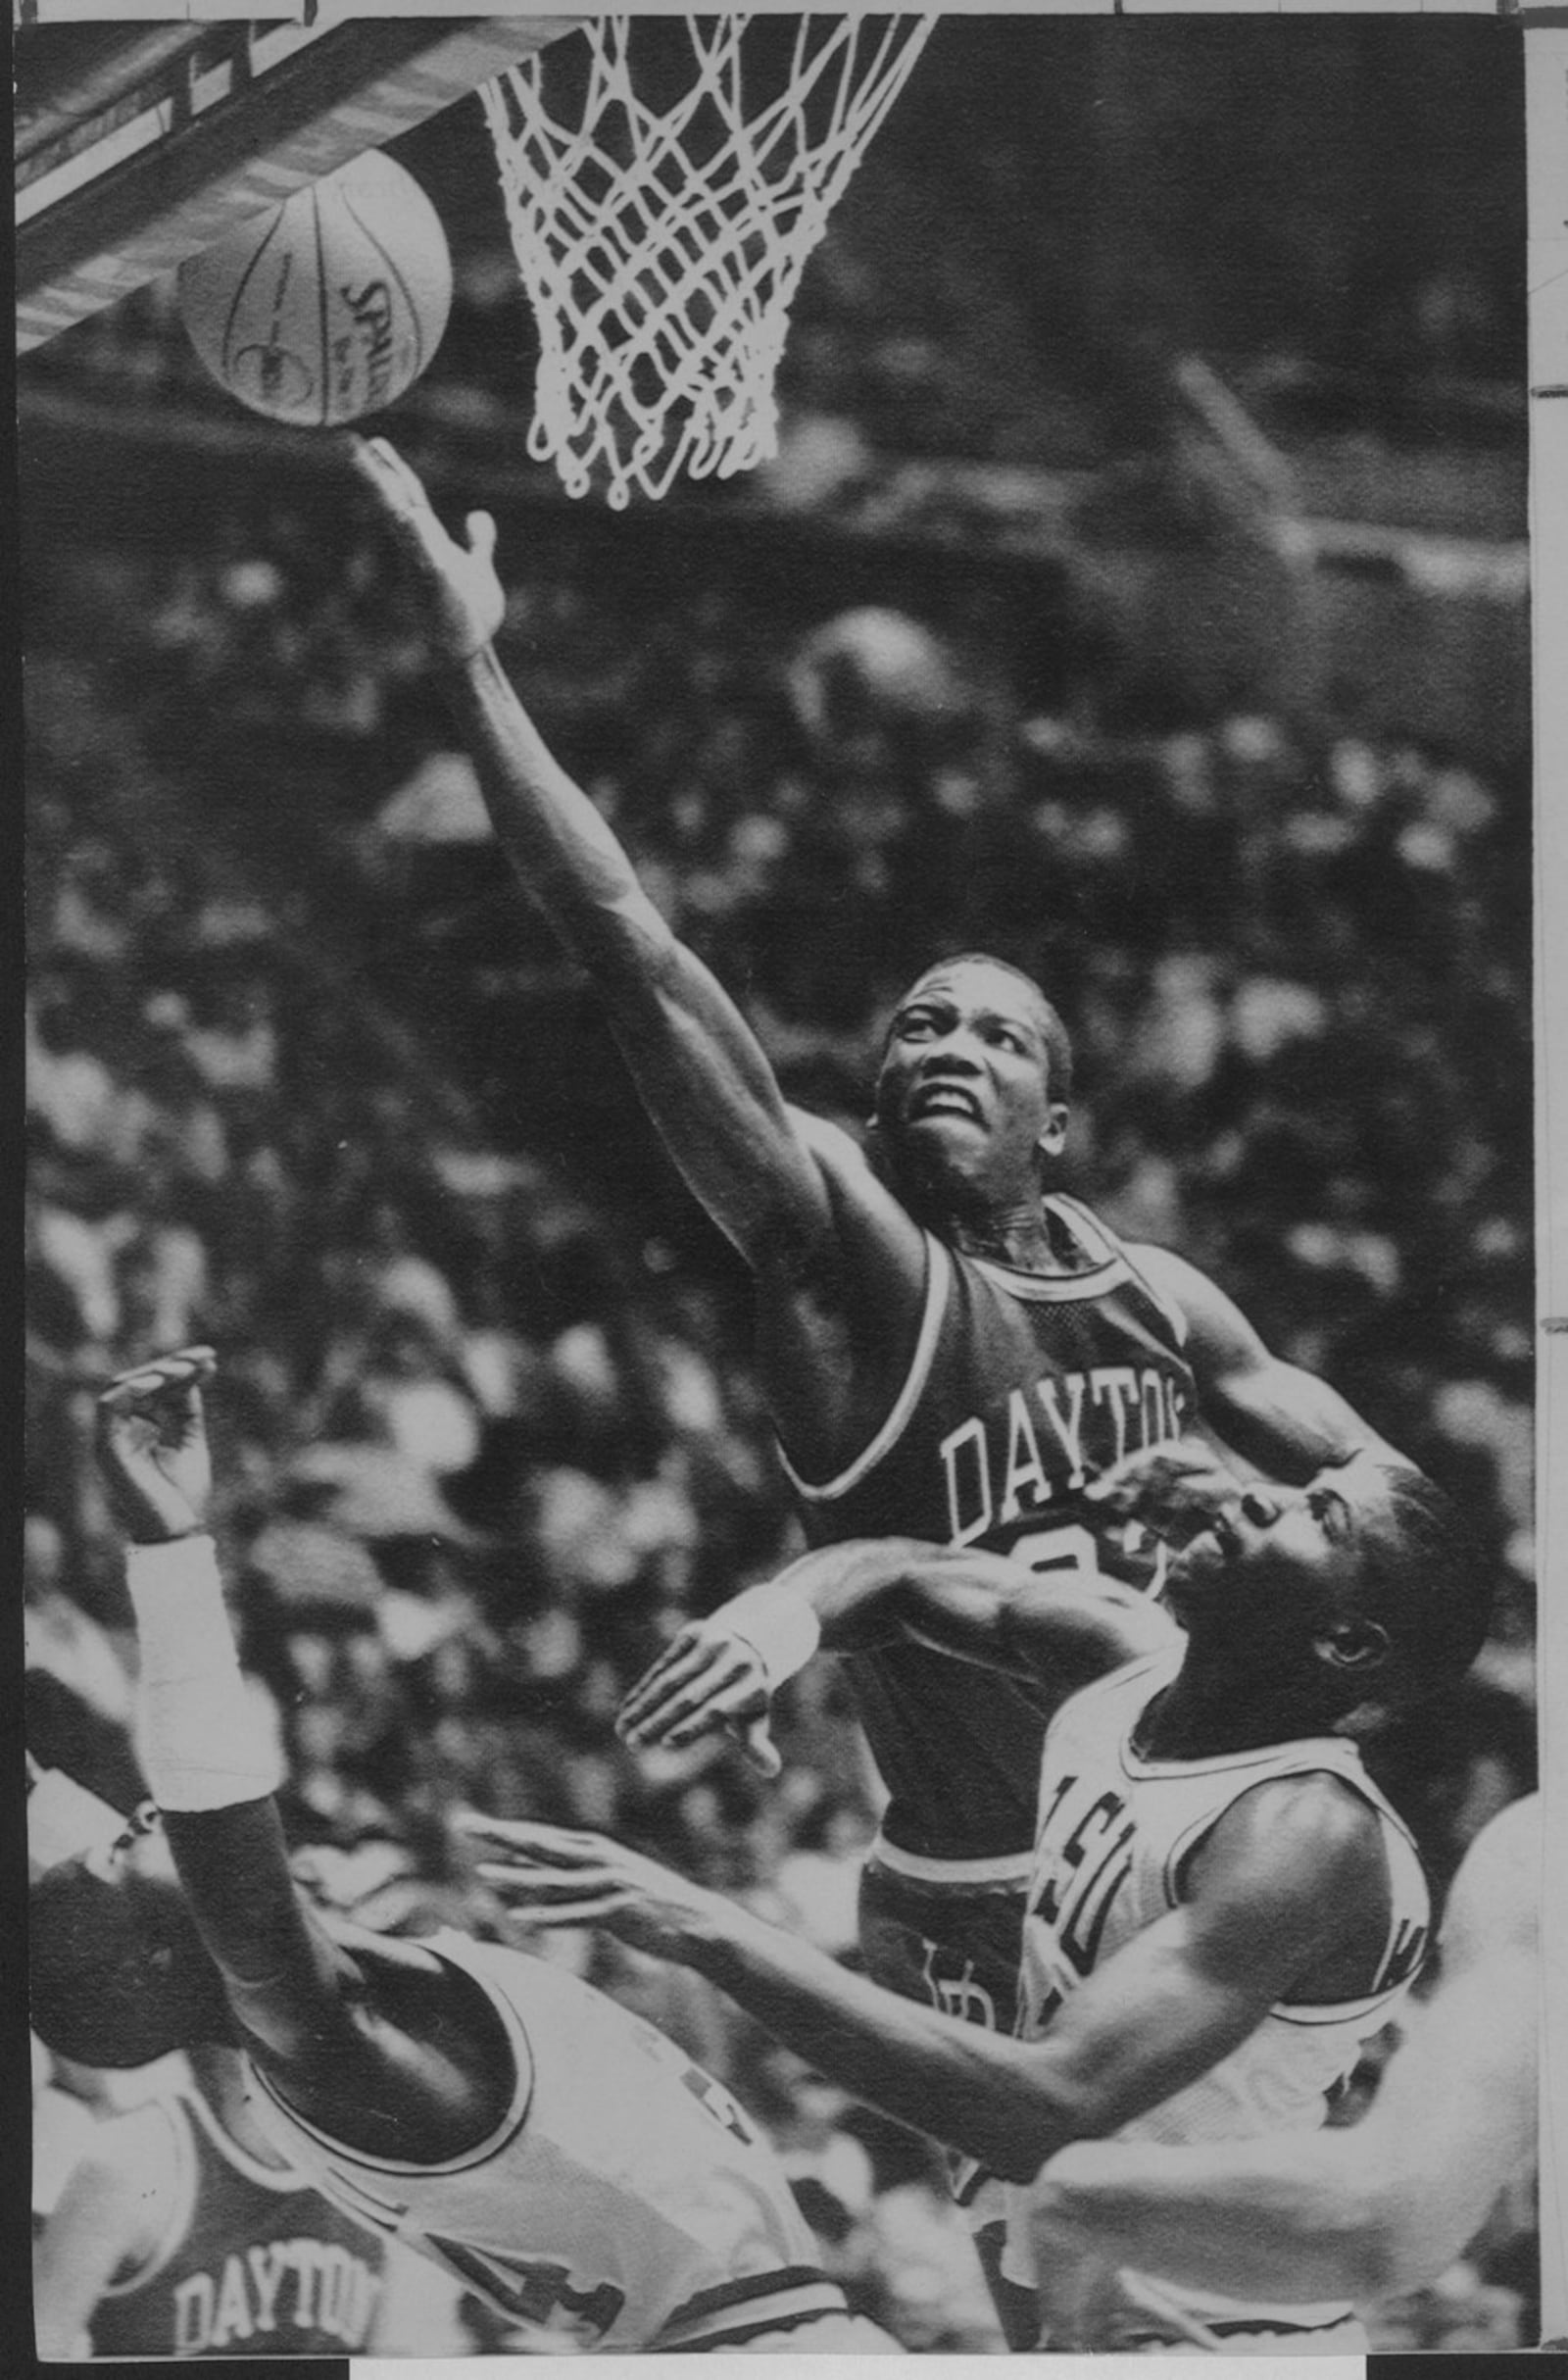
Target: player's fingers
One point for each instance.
(480, 529)
(756, 1736)
(543, 1888)
(145, 1383)
(691, 1708)
(551, 1846)
(594, 1909)
(652, 1681)
(181, 1364)
(685, 1650)
(656, 1685)
(681, 1667)
(377, 464)
(738, 1698)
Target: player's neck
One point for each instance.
(1013, 1232)
(1216, 1706)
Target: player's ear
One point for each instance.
(1050, 1141)
(1352, 1644)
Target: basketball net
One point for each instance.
(661, 244)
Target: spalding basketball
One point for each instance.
(330, 306)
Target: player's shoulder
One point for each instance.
(858, 1197)
(1313, 1828)
(1174, 1276)
(138, 2155)
(828, 1140)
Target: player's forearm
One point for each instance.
(211, 1764)
(861, 1593)
(559, 845)
(978, 2092)
(1293, 2219)
(703, 1075)
(975, 1606)
(1291, 1424)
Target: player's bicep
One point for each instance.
(710, 1092)
(1285, 1420)
(1149, 2021)
(1267, 1895)
(1063, 1624)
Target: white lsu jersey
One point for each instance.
(624, 2200)
(1115, 1835)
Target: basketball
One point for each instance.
(328, 307)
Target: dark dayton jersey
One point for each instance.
(1023, 1388)
(254, 2261)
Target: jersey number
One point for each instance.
(716, 2099)
(530, 2290)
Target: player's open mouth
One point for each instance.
(1225, 1533)
(943, 1099)
(1209, 1550)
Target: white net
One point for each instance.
(664, 188)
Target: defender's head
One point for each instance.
(1363, 1587)
(972, 1093)
(119, 1974)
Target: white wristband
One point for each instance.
(778, 1624)
(204, 1740)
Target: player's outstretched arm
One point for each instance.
(209, 1760)
(1181, 1995)
(722, 1672)
(305, 2010)
(1285, 1420)
(699, 1068)
(1386, 2205)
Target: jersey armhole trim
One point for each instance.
(444, 1946)
(1161, 1297)
(938, 1280)
(1364, 2003)
(285, 2179)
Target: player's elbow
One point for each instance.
(1041, 2118)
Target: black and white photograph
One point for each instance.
(783, 922)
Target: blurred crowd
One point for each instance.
(486, 1426)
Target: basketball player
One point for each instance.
(1381, 2207)
(553, 2153)
(182, 2231)
(947, 1350)
(1221, 1909)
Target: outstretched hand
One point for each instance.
(1175, 1490)
(557, 1877)
(708, 1680)
(461, 597)
(152, 1446)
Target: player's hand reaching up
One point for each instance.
(556, 1876)
(152, 1446)
(462, 597)
(1175, 1490)
(709, 1679)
